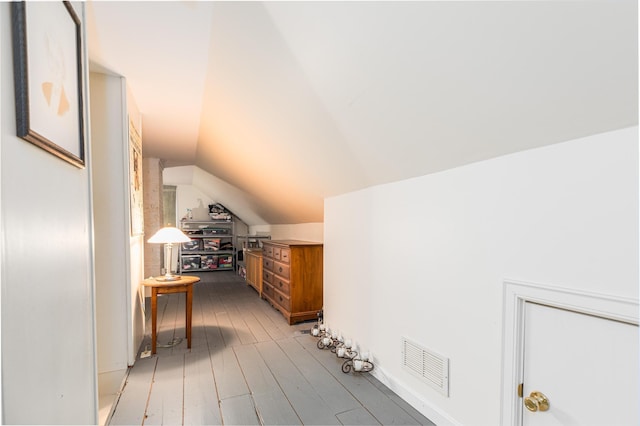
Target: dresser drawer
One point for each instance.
(267, 276)
(285, 254)
(276, 253)
(268, 250)
(281, 300)
(267, 290)
(267, 263)
(281, 285)
(281, 269)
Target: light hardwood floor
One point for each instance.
(246, 366)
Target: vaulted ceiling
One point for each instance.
(291, 102)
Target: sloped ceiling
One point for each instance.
(292, 102)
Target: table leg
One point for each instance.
(188, 319)
(154, 309)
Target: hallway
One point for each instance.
(246, 366)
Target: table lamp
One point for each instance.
(168, 235)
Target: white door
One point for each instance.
(585, 365)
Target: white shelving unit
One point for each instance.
(212, 246)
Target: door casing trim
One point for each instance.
(515, 295)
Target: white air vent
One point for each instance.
(428, 365)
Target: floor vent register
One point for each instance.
(431, 367)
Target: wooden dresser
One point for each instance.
(253, 262)
(292, 278)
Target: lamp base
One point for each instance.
(168, 277)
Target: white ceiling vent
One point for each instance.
(433, 368)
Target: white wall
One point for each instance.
(48, 337)
(119, 255)
(299, 231)
(193, 184)
(208, 187)
(426, 258)
(189, 197)
(2, 35)
(136, 328)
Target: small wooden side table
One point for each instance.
(184, 284)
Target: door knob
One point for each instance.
(537, 401)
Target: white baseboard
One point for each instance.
(109, 386)
(425, 407)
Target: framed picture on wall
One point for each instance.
(135, 176)
(47, 56)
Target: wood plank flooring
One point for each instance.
(246, 366)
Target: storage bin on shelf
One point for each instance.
(212, 244)
(193, 245)
(190, 263)
(209, 262)
(225, 261)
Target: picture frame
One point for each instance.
(48, 76)
(136, 180)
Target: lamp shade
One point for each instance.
(169, 234)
